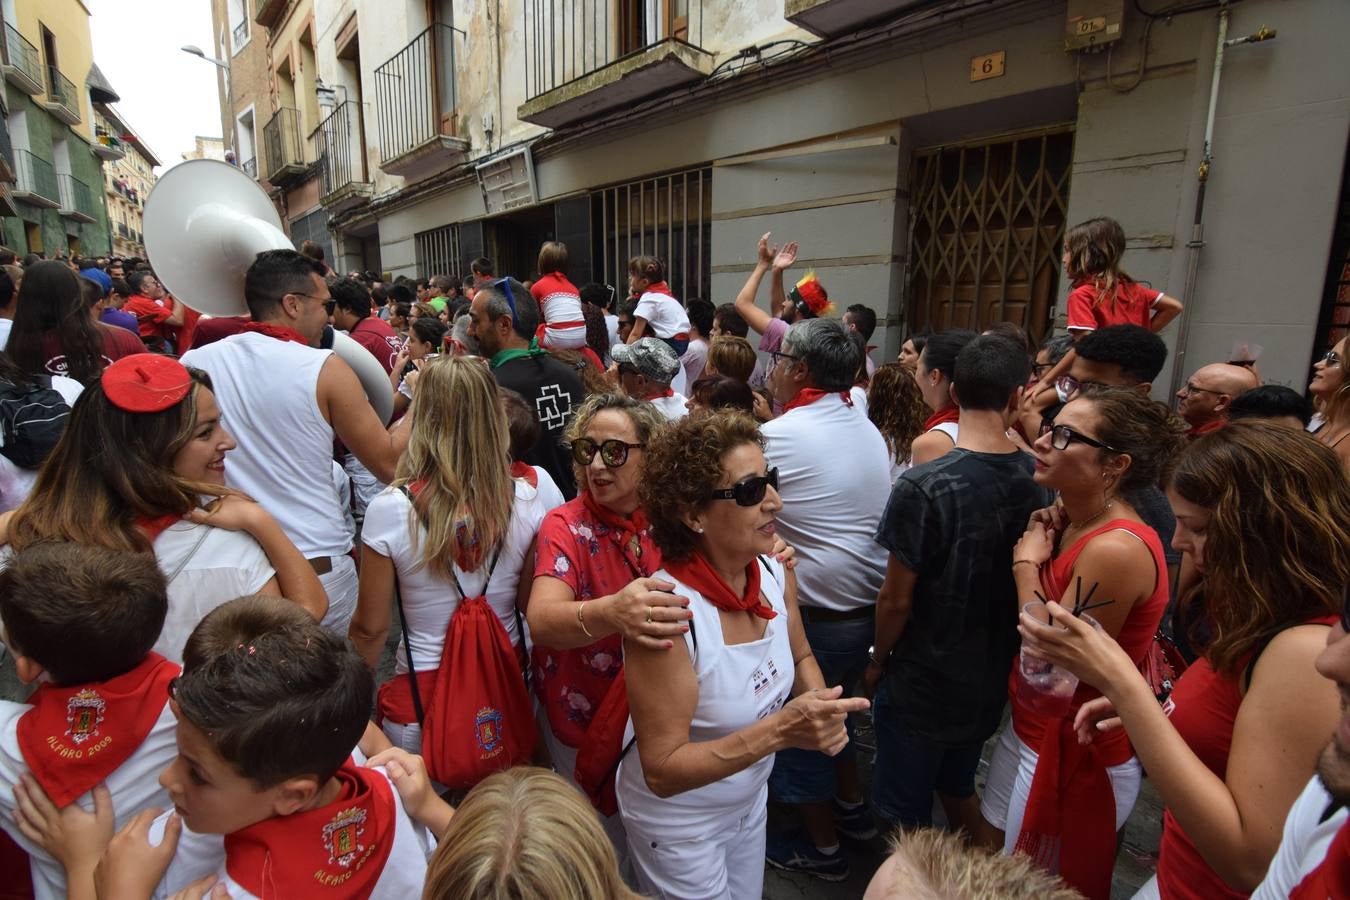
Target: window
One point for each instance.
(669, 217)
(240, 28)
(437, 251)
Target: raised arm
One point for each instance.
(755, 317)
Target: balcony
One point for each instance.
(268, 12)
(62, 100)
(415, 101)
(23, 67)
(107, 147)
(342, 159)
(283, 148)
(36, 180)
(250, 167)
(830, 17)
(585, 57)
(239, 36)
(77, 200)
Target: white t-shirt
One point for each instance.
(17, 483)
(429, 601)
(549, 494)
(834, 475)
(5, 326)
(672, 407)
(213, 566)
(694, 359)
(134, 786)
(858, 394)
(1305, 842)
(612, 325)
(664, 314)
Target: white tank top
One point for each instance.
(267, 390)
(950, 429)
(737, 686)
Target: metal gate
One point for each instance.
(669, 217)
(986, 222)
(438, 251)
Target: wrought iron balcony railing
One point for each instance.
(22, 56)
(342, 147)
(36, 177)
(415, 93)
(283, 146)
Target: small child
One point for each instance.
(658, 313)
(266, 730)
(1102, 293)
(563, 327)
(86, 618)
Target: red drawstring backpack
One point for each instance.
(478, 719)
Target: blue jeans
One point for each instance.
(840, 648)
(909, 767)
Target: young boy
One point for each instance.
(86, 618)
(268, 716)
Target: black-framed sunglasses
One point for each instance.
(1062, 435)
(749, 491)
(613, 452)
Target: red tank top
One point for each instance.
(1205, 707)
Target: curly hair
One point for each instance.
(1276, 553)
(895, 405)
(684, 465)
(645, 418)
(1146, 431)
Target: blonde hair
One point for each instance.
(732, 356)
(937, 865)
(1337, 406)
(646, 422)
(524, 834)
(459, 455)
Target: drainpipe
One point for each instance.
(1197, 241)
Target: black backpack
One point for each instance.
(33, 416)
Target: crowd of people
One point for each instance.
(613, 577)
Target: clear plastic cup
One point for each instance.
(1041, 685)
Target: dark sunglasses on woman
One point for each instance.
(613, 452)
(749, 491)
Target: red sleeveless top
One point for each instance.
(1071, 808)
(1205, 707)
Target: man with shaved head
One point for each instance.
(1205, 398)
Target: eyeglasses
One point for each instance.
(1187, 389)
(613, 452)
(329, 306)
(1068, 386)
(1332, 359)
(1038, 370)
(1062, 435)
(328, 302)
(778, 355)
(505, 285)
(751, 490)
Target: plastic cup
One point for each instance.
(1041, 685)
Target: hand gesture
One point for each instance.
(1095, 716)
(766, 251)
(815, 720)
(763, 409)
(73, 836)
(646, 613)
(409, 774)
(1073, 644)
(231, 512)
(132, 866)
(785, 553)
(1037, 542)
(785, 258)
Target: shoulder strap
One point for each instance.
(407, 645)
(192, 551)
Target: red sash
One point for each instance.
(75, 737)
(338, 850)
(942, 416)
(807, 396)
(1332, 877)
(280, 332)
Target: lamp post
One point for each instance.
(224, 66)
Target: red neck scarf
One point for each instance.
(950, 414)
(627, 532)
(153, 526)
(807, 396)
(337, 851)
(1332, 877)
(280, 332)
(668, 392)
(75, 737)
(659, 287)
(698, 574)
(1206, 428)
(521, 469)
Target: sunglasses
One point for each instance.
(613, 452)
(1332, 359)
(751, 490)
(1062, 435)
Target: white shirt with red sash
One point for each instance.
(119, 732)
(1308, 832)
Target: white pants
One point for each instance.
(1011, 769)
(565, 764)
(341, 586)
(725, 863)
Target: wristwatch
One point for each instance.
(872, 658)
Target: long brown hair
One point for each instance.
(110, 467)
(895, 405)
(1276, 552)
(51, 302)
(1095, 248)
(459, 456)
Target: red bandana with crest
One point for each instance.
(338, 850)
(75, 737)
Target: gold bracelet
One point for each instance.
(1025, 562)
(581, 618)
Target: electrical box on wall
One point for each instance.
(1093, 24)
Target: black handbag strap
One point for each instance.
(407, 649)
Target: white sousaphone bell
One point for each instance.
(205, 222)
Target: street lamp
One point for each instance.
(194, 50)
(197, 51)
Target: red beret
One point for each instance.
(146, 383)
